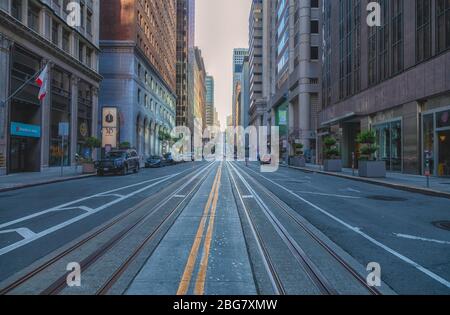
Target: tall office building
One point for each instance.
(138, 63)
(239, 55)
(393, 79)
(199, 89)
(185, 61)
(209, 106)
(34, 34)
(257, 26)
(245, 94)
(294, 101)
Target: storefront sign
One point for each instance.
(282, 118)
(24, 130)
(63, 129)
(110, 127)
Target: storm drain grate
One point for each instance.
(386, 198)
(444, 225)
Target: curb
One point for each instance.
(53, 181)
(423, 191)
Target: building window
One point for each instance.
(33, 17)
(314, 53)
(16, 9)
(383, 43)
(66, 41)
(314, 27)
(397, 36)
(372, 60)
(443, 25)
(89, 23)
(389, 138)
(55, 33)
(423, 31)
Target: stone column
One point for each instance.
(46, 120)
(292, 129)
(5, 60)
(304, 110)
(73, 118)
(304, 67)
(157, 142)
(95, 117)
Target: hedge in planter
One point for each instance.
(88, 163)
(332, 162)
(368, 165)
(298, 160)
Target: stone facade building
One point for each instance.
(34, 34)
(138, 63)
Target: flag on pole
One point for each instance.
(42, 82)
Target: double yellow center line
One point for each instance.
(210, 210)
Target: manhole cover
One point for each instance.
(386, 198)
(444, 225)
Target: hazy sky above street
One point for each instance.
(220, 27)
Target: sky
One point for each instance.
(221, 26)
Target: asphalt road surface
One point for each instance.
(223, 228)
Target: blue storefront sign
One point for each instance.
(24, 130)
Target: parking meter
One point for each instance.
(428, 158)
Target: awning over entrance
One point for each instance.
(338, 119)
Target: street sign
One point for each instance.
(110, 127)
(63, 130)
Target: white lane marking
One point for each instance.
(247, 197)
(179, 196)
(111, 195)
(62, 225)
(58, 227)
(367, 237)
(23, 232)
(351, 190)
(327, 195)
(83, 208)
(417, 238)
(67, 205)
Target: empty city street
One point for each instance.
(222, 228)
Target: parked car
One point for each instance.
(168, 159)
(266, 159)
(154, 162)
(119, 161)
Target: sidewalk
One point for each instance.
(49, 176)
(439, 187)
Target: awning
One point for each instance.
(338, 119)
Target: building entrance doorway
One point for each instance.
(443, 138)
(23, 155)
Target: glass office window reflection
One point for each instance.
(389, 141)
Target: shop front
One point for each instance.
(25, 115)
(436, 141)
(281, 120)
(390, 144)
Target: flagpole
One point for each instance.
(3, 103)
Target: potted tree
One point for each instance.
(125, 146)
(368, 165)
(88, 163)
(332, 162)
(298, 160)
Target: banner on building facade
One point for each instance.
(110, 127)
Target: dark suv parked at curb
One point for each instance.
(119, 161)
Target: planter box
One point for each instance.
(89, 168)
(297, 161)
(372, 169)
(332, 166)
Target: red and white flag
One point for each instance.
(42, 82)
